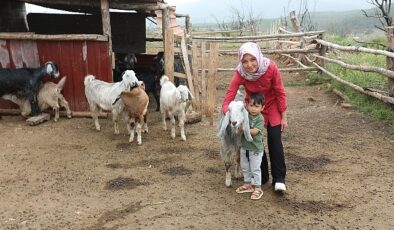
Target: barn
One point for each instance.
(83, 42)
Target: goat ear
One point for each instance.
(223, 125)
(61, 83)
(246, 127)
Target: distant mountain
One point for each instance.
(345, 22)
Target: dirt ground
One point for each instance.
(66, 175)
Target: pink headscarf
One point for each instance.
(252, 49)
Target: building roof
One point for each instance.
(93, 6)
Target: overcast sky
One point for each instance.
(207, 10)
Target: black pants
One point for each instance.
(277, 159)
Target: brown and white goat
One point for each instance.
(136, 103)
(49, 96)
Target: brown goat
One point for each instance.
(136, 102)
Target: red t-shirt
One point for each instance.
(270, 85)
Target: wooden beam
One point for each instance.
(196, 82)
(281, 69)
(187, 68)
(275, 51)
(106, 23)
(169, 54)
(57, 37)
(354, 48)
(390, 60)
(376, 95)
(270, 36)
(212, 80)
(382, 71)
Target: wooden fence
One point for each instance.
(307, 51)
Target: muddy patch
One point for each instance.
(176, 171)
(305, 164)
(212, 153)
(113, 215)
(117, 166)
(311, 206)
(123, 183)
(212, 170)
(123, 146)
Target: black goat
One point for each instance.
(26, 82)
(149, 77)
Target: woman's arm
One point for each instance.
(236, 81)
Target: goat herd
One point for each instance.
(126, 98)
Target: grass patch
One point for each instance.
(361, 102)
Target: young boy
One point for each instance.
(252, 152)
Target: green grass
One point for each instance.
(364, 103)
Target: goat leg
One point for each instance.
(228, 174)
(56, 110)
(94, 111)
(132, 129)
(115, 119)
(64, 103)
(35, 110)
(138, 129)
(145, 126)
(172, 118)
(163, 116)
(237, 167)
(181, 118)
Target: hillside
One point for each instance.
(345, 22)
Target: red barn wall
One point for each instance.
(75, 60)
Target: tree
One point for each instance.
(382, 12)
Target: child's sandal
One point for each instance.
(244, 188)
(257, 194)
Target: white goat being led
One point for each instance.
(230, 135)
(101, 96)
(173, 102)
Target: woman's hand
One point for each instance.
(283, 123)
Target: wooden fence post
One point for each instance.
(106, 23)
(212, 80)
(169, 54)
(389, 60)
(322, 52)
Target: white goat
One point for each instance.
(136, 102)
(101, 96)
(173, 102)
(49, 96)
(230, 134)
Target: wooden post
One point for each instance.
(169, 54)
(105, 18)
(322, 52)
(203, 80)
(188, 26)
(187, 68)
(196, 78)
(212, 79)
(390, 61)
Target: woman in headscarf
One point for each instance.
(259, 74)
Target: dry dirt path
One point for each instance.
(66, 175)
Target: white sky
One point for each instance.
(207, 10)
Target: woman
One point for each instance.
(259, 74)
